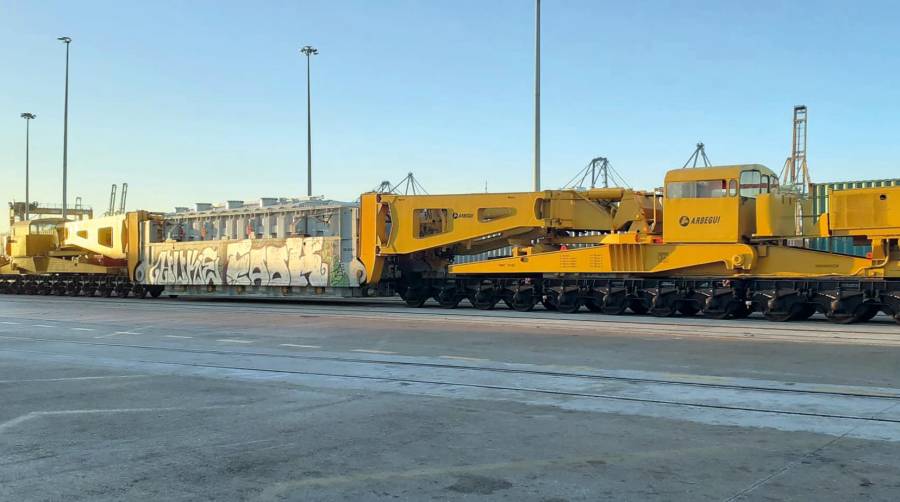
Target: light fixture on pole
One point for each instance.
(308, 51)
(67, 41)
(28, 118)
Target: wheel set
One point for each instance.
(103, 287)
(777, 301)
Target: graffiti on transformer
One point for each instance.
(290, 262)
(185, 266)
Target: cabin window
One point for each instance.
(706, 189)
(732, 188)
(752, 184)
(42, 229)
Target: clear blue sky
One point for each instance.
(205, 100)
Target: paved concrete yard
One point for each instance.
(176, 400)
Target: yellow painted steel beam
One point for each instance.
(106, 236)
(682, 260)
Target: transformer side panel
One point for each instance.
(296, 262)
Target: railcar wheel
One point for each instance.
(594, 302)
(792, 312)
(638, 306)
(547, 303)
(872, 312)
(688, 308)
(842, 314)
(447, 297)
(807, 311)
(725, 308)
(742, 311)
(522, 301)
(413, 296)
(155, 291)
(787, 307)
(616, 303)
(485, 299)
(664, 305)
(567, 302)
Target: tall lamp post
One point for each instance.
(67, 41)
(308, 51)
(537, 95)
(28, 118)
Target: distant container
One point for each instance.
(842, 245)
(203, 206)
(234, 204)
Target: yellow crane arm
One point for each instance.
(393, 224)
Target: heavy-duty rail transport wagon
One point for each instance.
(722, 241)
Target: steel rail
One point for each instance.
(337, 307)
(513, 389)
(451, 366)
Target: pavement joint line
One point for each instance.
(373, 351)
(463, 358)
(83, 329)
(66, 379)
(786, 467)
(117, 333)
(37, 414)
(233, 340)
(42, 326)
(300, 346)
(8, 322)
(177, 336)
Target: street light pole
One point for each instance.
(308, 51)
(67, 41)
(28, 118)
(537, 95)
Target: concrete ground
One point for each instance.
(197, 400)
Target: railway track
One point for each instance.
(339, 307)
(873, 333)
(882, 399)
